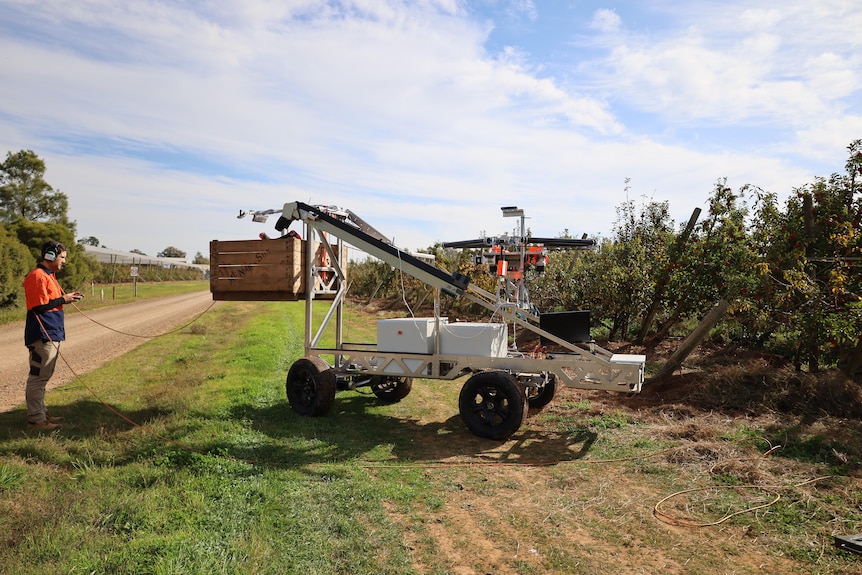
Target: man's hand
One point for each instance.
(72, 297)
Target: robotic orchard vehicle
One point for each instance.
(502, 382)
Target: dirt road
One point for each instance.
(88, 344)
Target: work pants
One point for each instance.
(43, 360)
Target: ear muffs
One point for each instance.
(49, 254)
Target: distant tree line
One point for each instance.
(791, 272)
(32, 212)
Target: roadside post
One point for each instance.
(134, 272)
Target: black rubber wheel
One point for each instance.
(391, 389)
(539, 397)
(310, 386)
(492, 405)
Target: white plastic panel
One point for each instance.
(471, 338)
(406, 335)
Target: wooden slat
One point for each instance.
(257, 270)
(259, 258)
(257, 296)
(256, 283)
(251, 246)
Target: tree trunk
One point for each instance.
(813, 357)
(812, 346)
(674, 319)
(854, 361)
(374, 293)
(663, 280)
(693, 339)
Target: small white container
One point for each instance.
(477, 339)
(406, 335)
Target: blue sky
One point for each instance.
(162, 119)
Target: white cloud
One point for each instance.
(606, 20)
(526, 7)
(397, 111)
(759, 19)
(828, 140)
(759, 65)
(833, 75)
(684, 78)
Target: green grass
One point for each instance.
(221, 476)
(225, 478)
(10, 477)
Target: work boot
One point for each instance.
(57, 419)
(43, 425)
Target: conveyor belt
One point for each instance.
(452, 284)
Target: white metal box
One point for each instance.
(628, 358)
(471, 338)
(406, 335)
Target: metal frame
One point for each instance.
(583, 366)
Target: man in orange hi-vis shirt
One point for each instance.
(44, 330)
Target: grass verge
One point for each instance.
(224, 477)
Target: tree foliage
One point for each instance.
(372, 278)
(32, 213)
(89, 241)
(809, 295)
(80, 267)
(614, 282)
(629, 263)
(17, 262)
(171, 252)
(792, 273)
(24, 193)
(715, 263)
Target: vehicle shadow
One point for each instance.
(358, 428)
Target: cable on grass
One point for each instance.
(370, 464)
(182, 327)
(144, 428)
(657, 511)
(770, 489)
(669, 519)
(434, 464)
